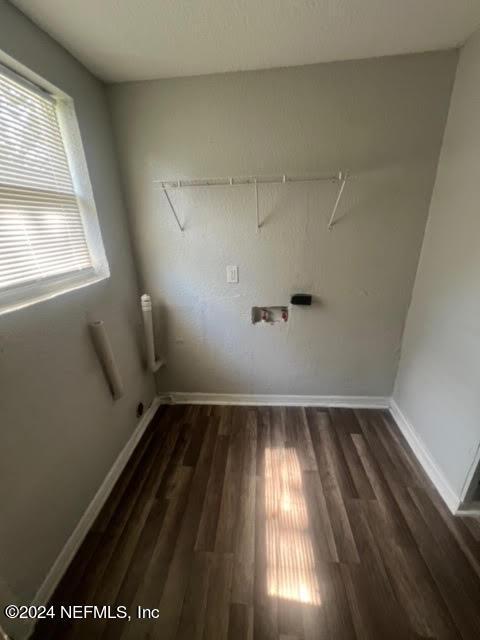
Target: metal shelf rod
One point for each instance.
(343, 181)
(341, 178)
(238, 180)
(180, 226)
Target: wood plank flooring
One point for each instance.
(275, 523)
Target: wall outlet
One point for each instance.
(232, 274)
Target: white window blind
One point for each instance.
(41, 230)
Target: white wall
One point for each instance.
(60, 430)
(381, 119)
(438, 384)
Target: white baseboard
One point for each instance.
(68, 552)
(357, 402)
(425, 459)
(471, 509)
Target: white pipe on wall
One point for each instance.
(153, 364)
(106, 357)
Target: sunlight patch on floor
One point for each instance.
(291, 571)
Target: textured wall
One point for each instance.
(439, 374)
(382, 119)
(60, 431)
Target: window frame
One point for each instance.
(26, 294)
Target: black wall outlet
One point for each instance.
(303, 299)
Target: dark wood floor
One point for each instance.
(292, 523)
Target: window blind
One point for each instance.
(41, 229)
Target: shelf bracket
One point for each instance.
(256, 204)
(342, 178)
(173, 209)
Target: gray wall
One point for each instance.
(60, 430)
(381, 119)
(438, 385)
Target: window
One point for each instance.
(50, 241)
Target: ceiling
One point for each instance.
(122, 40)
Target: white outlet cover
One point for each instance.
(232, 274)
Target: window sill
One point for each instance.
(39, 292)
